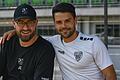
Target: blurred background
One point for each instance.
(90, 15)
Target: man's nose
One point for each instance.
(63, 24)
(25, 27)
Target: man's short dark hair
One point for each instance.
(64, 7)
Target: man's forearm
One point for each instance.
(109, 73)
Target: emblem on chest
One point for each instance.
(20, 63)
(78, 55)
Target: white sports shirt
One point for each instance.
(81, 59)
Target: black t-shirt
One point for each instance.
(35, 62)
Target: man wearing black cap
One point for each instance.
(26, 56)
(80, 56)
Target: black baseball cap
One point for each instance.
(24, 11)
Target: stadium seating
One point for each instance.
(96, 2)
(111, 1)
(0, 2)
(64, 0)
(79, 2)
(10, 2)
(50, 2)
(42, 2)
(23, 1)
(37, 2)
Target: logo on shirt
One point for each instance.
(62, 52)
(78, 55)
(20, 63)
(24, 11)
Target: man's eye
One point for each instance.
(58, 22)
(31, 22)
(20, 22)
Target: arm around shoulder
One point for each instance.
(109, 73)
(7, 36)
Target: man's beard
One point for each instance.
(25, 38)
(68, 34)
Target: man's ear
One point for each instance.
(36, 21)
(75, 20)
(13, 23)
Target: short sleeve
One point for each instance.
(2, 60)
(101, 56)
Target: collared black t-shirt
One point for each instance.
(35, 62)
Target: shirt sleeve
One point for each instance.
(101, 56)
(45, 65)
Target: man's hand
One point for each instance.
(0, 39)
(7, 36)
